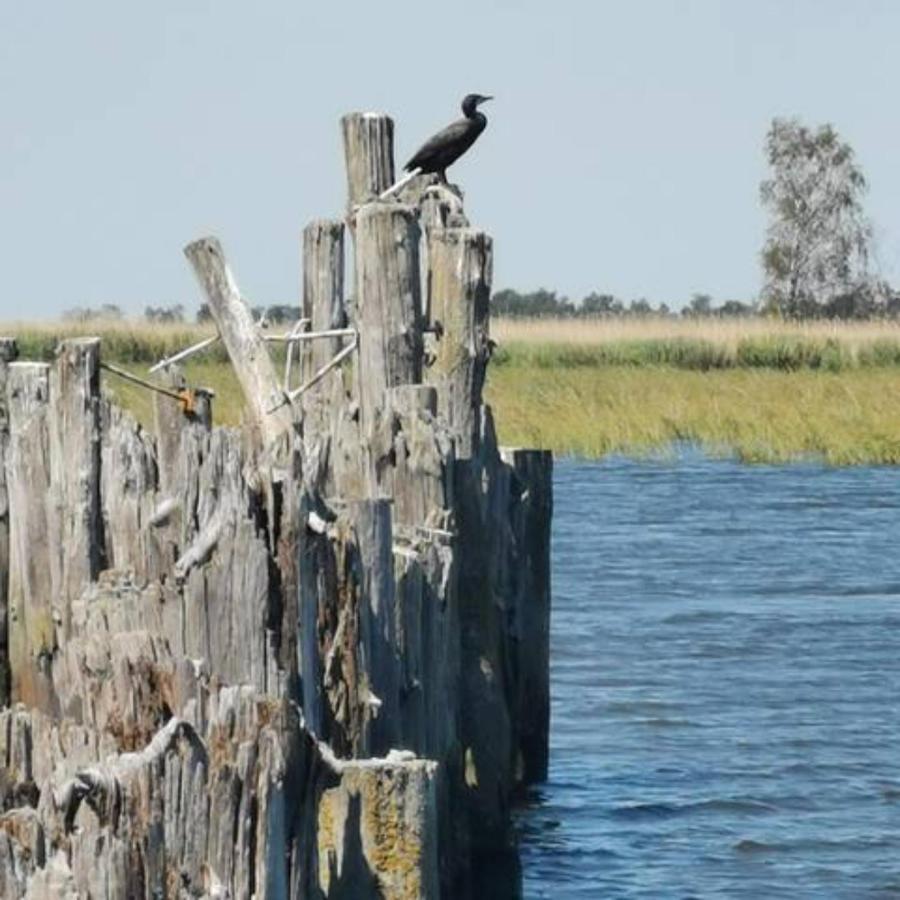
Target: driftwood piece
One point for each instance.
(246, 349)
(368, 156)
(8, 354)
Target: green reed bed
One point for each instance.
(783, 353)
(832, 395)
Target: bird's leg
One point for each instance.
(442, 176)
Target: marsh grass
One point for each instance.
(762, 390)
(851, 417)
(697, 344)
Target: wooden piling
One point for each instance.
(389, 302)
(323, 288)
(8, 354)
(33, 615)
(460, 262)
(328, 674)
(368, 155)
(76, 519)
(531, 510)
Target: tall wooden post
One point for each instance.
(76, 513)
(32, 629)
(459, 283)
(389, 302)
(369, 156)
(323, 288)
(8, 353)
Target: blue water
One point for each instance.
(725, 671)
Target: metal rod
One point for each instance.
(146, 384)
(290, 337)
(402, 183)
(289, 361)
(184, 354)
(289, 397)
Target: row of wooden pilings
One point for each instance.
(358, 578)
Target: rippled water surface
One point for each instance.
(726, 684)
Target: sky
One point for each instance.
(623, 153)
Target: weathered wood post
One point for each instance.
(531, 509)
(76, 519)
(369, 156)
(459, 284)
(32, 625)
(269, 415)
(389, 303)
(323, 288)
(323, 305)
(8, 353)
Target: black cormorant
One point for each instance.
(444, 148)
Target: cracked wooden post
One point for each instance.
(389, 303)
(76, 519)
(459, 284)
(323, 294)
(369, 156)
(8, 353)
(32, 629)
(247, 350)
(531, 510)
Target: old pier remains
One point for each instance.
(304, 658)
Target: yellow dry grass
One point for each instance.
(726, 332)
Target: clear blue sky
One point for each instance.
(623, 154)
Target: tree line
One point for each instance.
(547, 304)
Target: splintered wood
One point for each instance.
(307, 658)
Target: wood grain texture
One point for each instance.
(246, 348)
(368, 156)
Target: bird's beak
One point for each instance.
(484, 100)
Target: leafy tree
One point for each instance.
(282, 314)
(537, 303)
(165, 313)
(818, 239)
(700, 305)
(640, 307)
(601, 305)
(735, 309)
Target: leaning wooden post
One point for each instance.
(369, 156)
(460, 267)
(389, 302)
(269, 414)
(76, 520)
(8, 353)
(32, 626)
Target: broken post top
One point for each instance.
(369, 155)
